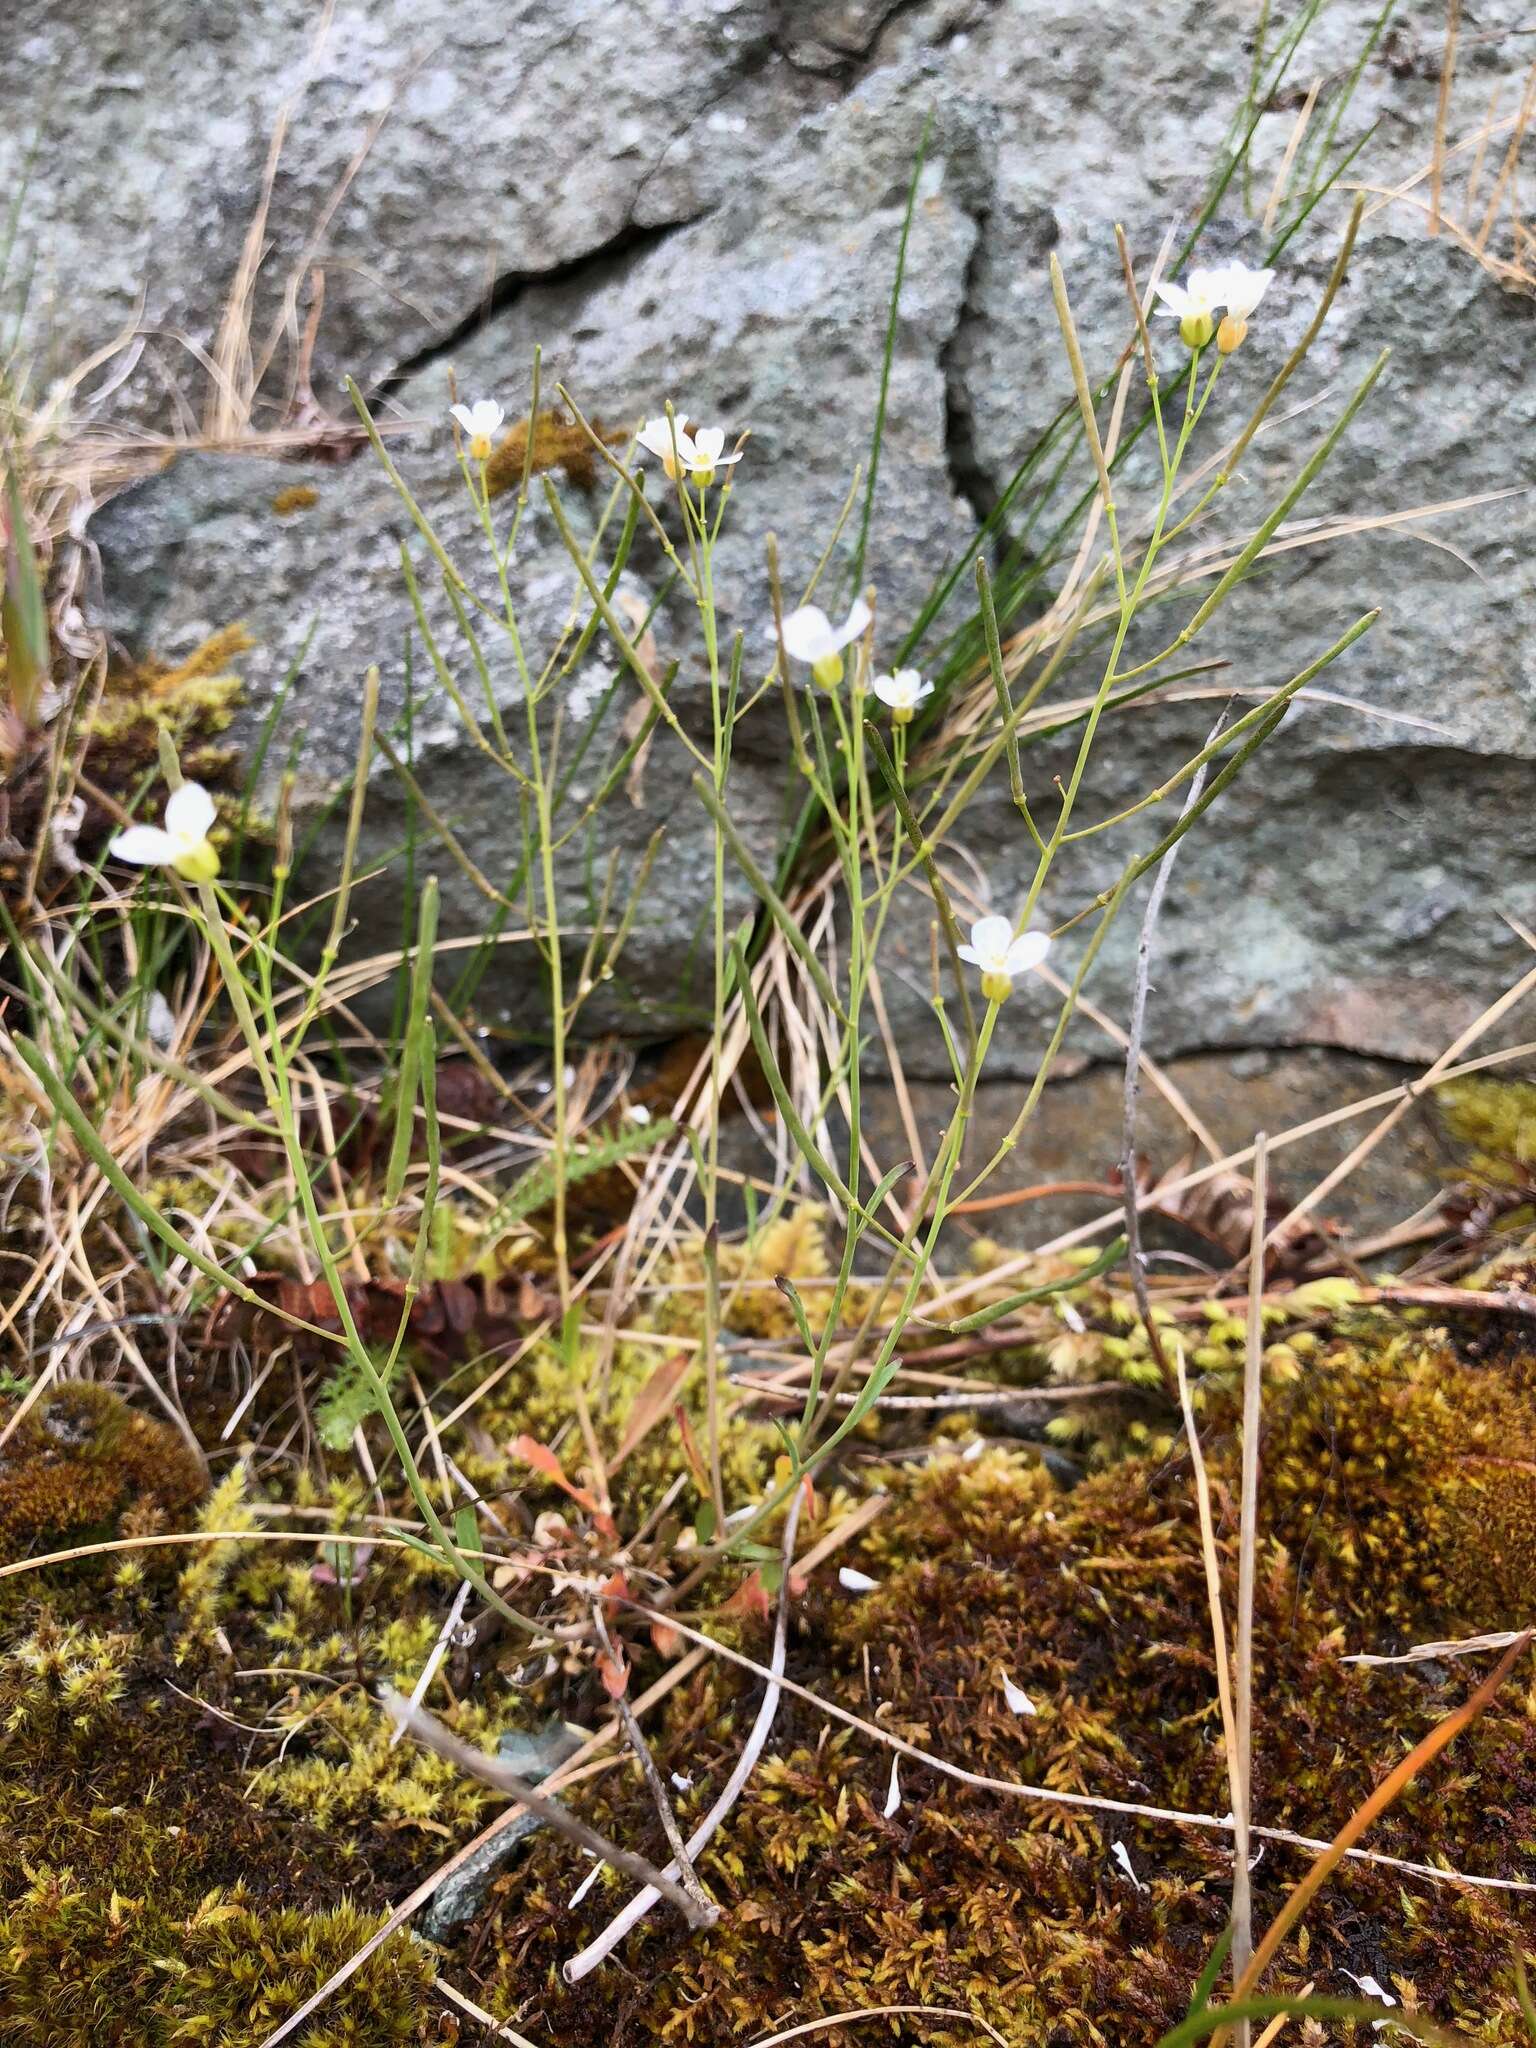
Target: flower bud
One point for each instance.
(828, 670)
(1231, 334)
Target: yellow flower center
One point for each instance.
(828, 671)
(1231, 334)
(199, 863)
(996, 986)
(1196, 329)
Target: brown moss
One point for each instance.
(558, 443)
(1387, 1462)
(294, 498)
(82, 1462)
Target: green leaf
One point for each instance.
(535, 1189)
(1110, 1256)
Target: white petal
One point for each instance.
(1026, 951)
(853, 1581)
(854, 624)
(488, 416)
(888, 690)
(708, 443)
(1123, 1857)
(1243, 288)
(656, 436)
(189, 812)
(893, 1796)
(969, 953)
(991, 937)
(808, 634)
(1019, 1701)
(1206, 286)
(586, 1884)
(925, 691)
(1176, 301)
(145, 845)
(681, 1783)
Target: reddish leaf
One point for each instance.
(614, 1673)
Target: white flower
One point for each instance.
(1019, 1701)
(1193, 304)
(670, 440)
(809, 635)
(903, 691)
(853, 1581)
(707, 457)
(481, 421)
(893, 1795)
(1242, 288)
(1241, 291)
(181, 843)
(1001, 956)
(698, 451)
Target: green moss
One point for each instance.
(143, 1896)
(1493, 1122)
(75, 1956)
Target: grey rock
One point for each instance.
(499, 139)
(703, 204)
(723, 315)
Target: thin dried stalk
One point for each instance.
(1247, 1560)
(431, 1734)
(583, 1964)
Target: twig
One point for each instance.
(581, 1965)
(658, 1791)
(431, 1734)
(500, 2028)
(1247, 1561)
(1133, 1070)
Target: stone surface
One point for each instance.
(702, 201)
